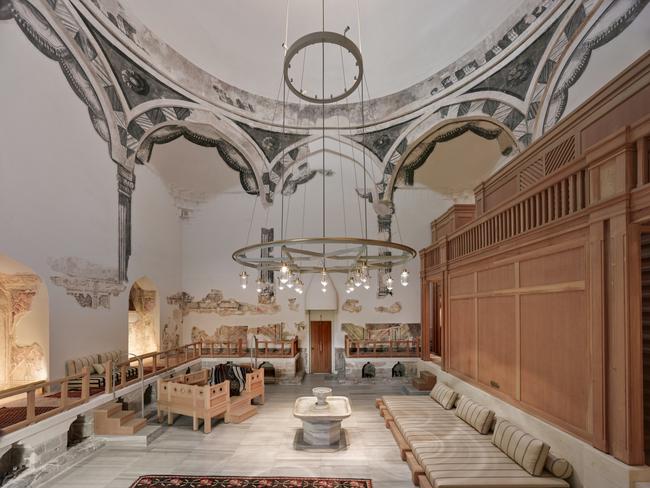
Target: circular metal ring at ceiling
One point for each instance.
(307, 254)
(323, 37)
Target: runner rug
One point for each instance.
(177, 481)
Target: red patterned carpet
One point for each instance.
(77, 393)
(169, 481)
(13, 415)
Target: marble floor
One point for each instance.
(262, 445)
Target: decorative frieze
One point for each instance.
(92, 285)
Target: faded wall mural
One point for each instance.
(142, 320)
(19, 363)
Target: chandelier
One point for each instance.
(355, 257)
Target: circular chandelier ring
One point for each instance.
(372, 262)
(323, 37)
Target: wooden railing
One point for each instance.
(34, 391)
(276, 349)
(564, 195)
(224, 349)
(153, 363)
(371, 348)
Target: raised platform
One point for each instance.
(142, 438)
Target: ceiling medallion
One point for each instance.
(354, 256)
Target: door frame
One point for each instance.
(311, 342)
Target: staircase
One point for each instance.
(110, 419)
(240, 408)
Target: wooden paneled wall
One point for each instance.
(542, 288)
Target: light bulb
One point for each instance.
(284, 274)
(298, 284)
(243, 279)
(357, 279)
(389, 283)
(366, 284)
(280, 285)
(324, 289)
(323, 278)
(364, 274)
(290, 282)
(259, 286)
(404, 278)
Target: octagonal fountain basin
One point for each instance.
(321, 417)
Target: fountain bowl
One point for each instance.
(321, 393)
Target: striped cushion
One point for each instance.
(444, 395)
(524, 449)
(558, 466)
(475, 415)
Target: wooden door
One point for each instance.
(321, 346)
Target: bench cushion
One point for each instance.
(558, 466)
(444, 395)
(476, 415)
(527, 451)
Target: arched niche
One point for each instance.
(143, 316)
(24, 325)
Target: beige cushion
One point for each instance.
(99, 368)
(115, 356)
(558, 466)
(476, 415)
(527, 451)
(444, 395)
(75, 366)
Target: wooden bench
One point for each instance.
(191, 395)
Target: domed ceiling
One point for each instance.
(402, 42)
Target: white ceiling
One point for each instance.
(402, 42)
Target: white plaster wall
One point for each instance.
(221, 225)
(58, 197)
(609, 60)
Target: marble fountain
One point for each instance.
(321, 417)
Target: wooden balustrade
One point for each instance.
(154, 363)
(562, 196)
(371, 348)
(223, 349)
(276, 349)
(30, 391)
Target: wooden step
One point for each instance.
(109, 409)
(244, 399)
(131, 426)
(110, 419)
(238, 414)
(123, 416)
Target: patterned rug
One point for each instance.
(77, 393)
(13, 415)
(169, 481)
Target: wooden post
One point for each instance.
(108, 376)
(31, 405)
(85, 384)
(64, 393)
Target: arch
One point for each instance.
(143, 316)
(199, 126)
(416, 154)
(24, 324)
